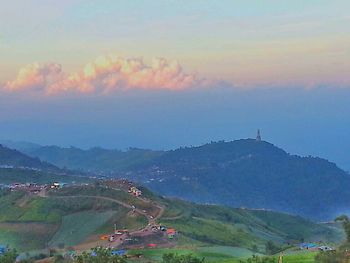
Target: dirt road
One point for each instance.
(147, 230)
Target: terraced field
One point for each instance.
(76, 228)
(32, 222)
(26, 236)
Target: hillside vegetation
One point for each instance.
(14, 158)
(96, 160)
(17, 175)
(75, 215)
(30, 222)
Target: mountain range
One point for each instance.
(14, 158)
(241, 173)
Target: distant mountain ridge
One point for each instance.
(13, 158)
(96, 159)
(16, 167)
(241, 173)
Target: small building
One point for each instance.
(152, 245)
(171, 232)
(55, 185)
(104, 237)
(135, 191)
(308, 246)
(121, 252)
(121, 231)
(325, 248)
(3, 249)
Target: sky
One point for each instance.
(162, 74)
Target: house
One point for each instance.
(55, 185)
(171, 232)
(121, 231)
(308, 246)
(152, 245)
(104, 237)
(325, 248)
(3, 249)
(121, 252)
(134, 191)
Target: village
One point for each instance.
(32, 188)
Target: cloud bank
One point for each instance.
(105, 75)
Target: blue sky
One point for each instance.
(246, 42)
(83, 73)
(300, 121)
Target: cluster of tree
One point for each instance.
(9, 257)
(175, 258)
(99, 255)
(342, 254)
(271, 248)
(257, 259)
(96, 255)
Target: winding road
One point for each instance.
(146, 230)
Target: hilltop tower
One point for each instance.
(258, 136)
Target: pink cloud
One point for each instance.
(106, 74)
(36, 76)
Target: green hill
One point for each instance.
(30, 222)
(75, 215)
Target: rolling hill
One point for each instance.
(81, 214)
(242, 173)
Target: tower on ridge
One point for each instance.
(258, 136)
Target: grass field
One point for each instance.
(300, 258)
(209, 254)
(105, 192)
(75, 228)
(69, 217)
(217, 225)
(222, 254)
(26, 236)
(30, 222)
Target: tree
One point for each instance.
(271, 248)
(99, 255)
(342, 254)
(175, 258)
(346, 225)
(9, 257)
(255, 248)
(257, 259)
